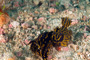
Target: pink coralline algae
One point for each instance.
(2, 39)
(85, 34)
(49, 57)
(1, 31)
(62, 48)
(52, 10)
(41, 19)
(53, 5)
(74, 21)
(16, 4)
(10, 26)
(19, 53)
(48, 27)
(65, 48)
(25, 25)
(26, 41)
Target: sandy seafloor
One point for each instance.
(29, 18)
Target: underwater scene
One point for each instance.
(44, 29)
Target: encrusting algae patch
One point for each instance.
(4, 18)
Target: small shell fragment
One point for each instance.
(75, 47)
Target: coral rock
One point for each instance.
(2, 39)
(36, 12)
(36, 2)
(74, 21)
(15, 24)
(52, 10)
(31, 18)
(25, 25)
(79, 53)
(84, 18)
(19, 53)
(11, 59)
(5, 26)
(28, 58)
(41, 19)
(34, 26)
